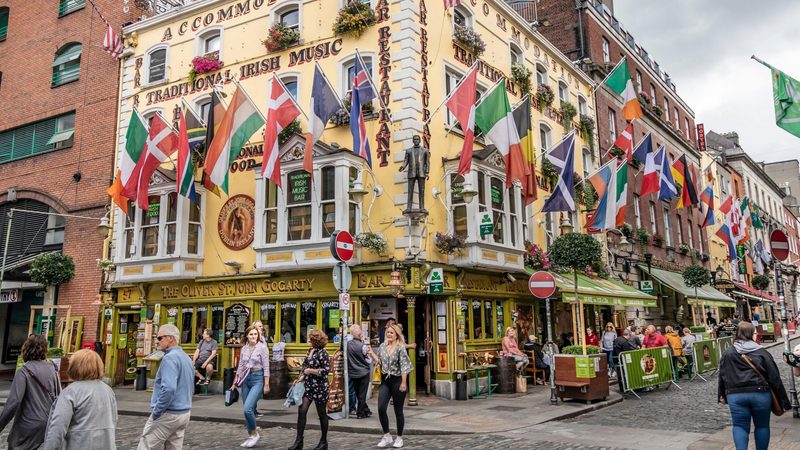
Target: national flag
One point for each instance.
(755, 217)
(451, 3)
(127, 179)
(707, 197)
(216, 112)
(494, 116)
(744, 218)
(786, 93)
(195, 129)
(161, 143)
(724, 233)
(184, 180)
(522, 118)
(620, 82)
(650, 178)
(605, 216)
(688, 195)
(281, 111)
(624, 141)
(462, 105)
(363, 93)
(112, 42)
(241, 120)
(563, 157)
(735, 221)
(760, 257)
(643, 148)
(708, 173)
(622, 193)
(666, 184)
(677, 171)
(323, 105)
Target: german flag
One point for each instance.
(215, 113)
(683, 177)
(522, 119)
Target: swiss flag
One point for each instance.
(161, 143)
(462, 105)
(282, 111)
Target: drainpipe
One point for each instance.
(579, 7)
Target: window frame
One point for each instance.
(67, 7)
(542, 78)
(55, 225)
(344, 66)
(37, 146)
(149, 61)
(292, 77)
(285, 8)
(612, 124)
(202, 38)
(71, 66)
(5, 13)
(517, 56)
(494, 305)
(606, 51)
(667, 228)
(563, 88)
(469, 18)
(545, 137)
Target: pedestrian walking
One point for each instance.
(676, 345)
(623, 343)
(316, 366)
(395, 367)
(748, 378)
(252, 376)
(171, 403)
(607, 345)
(85, 415)
(358, 369)
(34, 389)
(652, 338)
(687, 340)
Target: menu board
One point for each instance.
(237, 317)
(299, 187)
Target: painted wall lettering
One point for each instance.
(487, 71)
(239, 9)
(315, 52)
(384, 135)
(423, 66)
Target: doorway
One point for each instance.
(424, 341)
(127, 327)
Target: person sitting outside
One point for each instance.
(623, 343)
(511, 349)
(204, 358)
(710, 320)
(591, 337)
(538, 357)
(653, 339)
(675, 344)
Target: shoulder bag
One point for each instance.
(777, 407)
(53, 396)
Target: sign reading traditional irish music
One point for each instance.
(706, 356)
(486, 224)
(646, 367)
(436, 281)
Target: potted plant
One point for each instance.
(658, 111)
(683, 248)
(204, 64)
(470, 40)
(549, 171)
(586, 124)
(571, 362)
(290, 130)
(568, 112)
(760, 282)
(589, 195)
(449, 243)
(374, 242)
(521, 76)
(544, 96)
(280, 37)
(52, 269)
(658, 240)
(535, 257)
(616, 152)
(643, 236)
(355, 17)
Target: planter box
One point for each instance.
(570, 385)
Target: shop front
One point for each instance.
(756, 302)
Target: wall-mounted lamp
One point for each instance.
(236, 265)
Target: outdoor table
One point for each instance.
(489, 386)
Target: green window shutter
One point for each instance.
(6, 139)
(33, 139)
(67, 65)
(3, 23)
(67, 6)
(23, 141)
(44, 132)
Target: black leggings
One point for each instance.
(302, 412)
(390, 388)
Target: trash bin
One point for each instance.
(141, 378)
(278, 380)
(227, 378)
(461, 384)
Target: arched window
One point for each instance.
(289, 16)
(462, 17)
(583, 107)
(3, 23)
(544, 137)
(348, 72)
(157, 65)
(516, 55)
(209, 43)
(67, 65)
(563, 92)
(541, 75)
(292, 83)
(67, 6)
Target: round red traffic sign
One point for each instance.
(342, 247)
(779, 244)
(542, 284)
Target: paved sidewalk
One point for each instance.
(784, 435)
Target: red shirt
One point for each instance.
(591, 339)
(654, 340)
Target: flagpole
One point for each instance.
(291, 97)
(762, 62)
(330, 85)
(375, 88)
(474, 64)
(594, 89)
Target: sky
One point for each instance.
(705, 46)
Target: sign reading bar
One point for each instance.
(299, 187)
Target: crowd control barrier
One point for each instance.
(646, 367)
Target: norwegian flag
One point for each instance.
(462, 105)
(451, 3)
(282, 111)
(112, 43)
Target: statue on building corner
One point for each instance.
(417, 163)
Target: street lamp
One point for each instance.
(565, 225)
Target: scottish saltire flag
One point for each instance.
(363, 93)
(323, 105)
(643, 148)
(606, 212)
(666, 184)
(563, 157)
(184, 179)
(707, 197)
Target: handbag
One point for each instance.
(522, 385)
(231, 396)
(777, 407)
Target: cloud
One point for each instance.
(705, 47)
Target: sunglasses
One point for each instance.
(158, 338)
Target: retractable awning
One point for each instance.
(598, 291)
(706, 294)
(746, 291)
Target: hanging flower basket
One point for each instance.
(545, 96)
(470, 40)
(535, 257)
(568, 112)
(449, 243)
(204, 64)
(586, 124)
(280, 37)
(354, 18)
(342, 116)
(521, 76)
(373, 242)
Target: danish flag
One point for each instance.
(282, 111)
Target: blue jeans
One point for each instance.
(747, 405)
(351, 394)
(252, 390)
(610, 358)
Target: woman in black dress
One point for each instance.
(315, 375)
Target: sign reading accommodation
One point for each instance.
(486, 224)
(436, 281)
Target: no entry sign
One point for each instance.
(342, 247)
(542, 284)
(779, 244)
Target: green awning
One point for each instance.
(716, 303)
(598, 291)
(674, 281)
(68, 54)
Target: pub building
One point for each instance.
(261, 252)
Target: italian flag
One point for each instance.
(240, 121)
(494, 116)
(620, 82)
(127, 179)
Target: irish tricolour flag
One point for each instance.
(620, 82)
(494, 116)
(240, 121)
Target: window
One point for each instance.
(666, 110)
(157, 65)
(700, 238)
(268, 318)
(462, 17)
(652, 94)
(298, 201)
(271, 214)
(209, 42)
(149, 229)
(39, 137)
(290, 18)
(677, 119)
(653, 226)
(67, 6)
(187, 313)
(679, 229)
(541, 75)
(516, 55)
(308, 319)
(638, 81)
(484, 318)
(3, 23)
(606, 52)
(549, 226)
(637, 211)
(289, 322)
(328, 201)
(690, 234)
(67, 65)
(588, 161)
(350, 74)
(612, 124)
(457, 205)
(513, 216)
(451, 81)
(688, 127)
(291, 84)
(583, 107)
(200, 322)
(195, 227)
(667, 229)
(498, 209)
(55, 229)
(563, 91)
(544, 137)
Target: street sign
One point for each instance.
(646, 286)
(9, 296)
(436, 281)
(486, 224)
(342, 277)
(779, 244)
(342, 247)
(344, 301)
(542, 284)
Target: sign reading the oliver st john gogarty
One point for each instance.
(584, 367)
(646, 367)
(486, 225)
(235, 224)
(240, 288)
(436, 281)
(237, 317)
(706, 356)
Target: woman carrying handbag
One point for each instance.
(751, 386)
(252, 376)
(315, 378)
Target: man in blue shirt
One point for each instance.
(171, 403)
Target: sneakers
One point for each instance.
(398, 443)
(387, 441)
(251, 441)
(258, 414)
